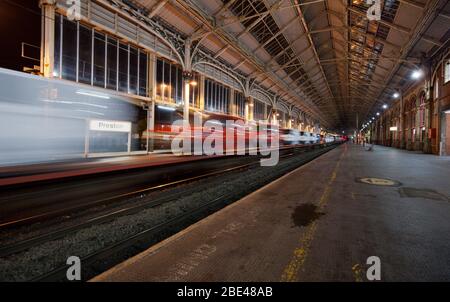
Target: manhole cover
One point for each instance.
(378, 181)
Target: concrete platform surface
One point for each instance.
(319, 223)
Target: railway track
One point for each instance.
(47, 215)
(9, 223)
(7, 250)
(140, 241)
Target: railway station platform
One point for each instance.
(321, 222)
(55, 171)
(12, 175)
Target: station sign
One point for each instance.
(110, 126)
(393, 129)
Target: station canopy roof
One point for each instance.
(324, 56)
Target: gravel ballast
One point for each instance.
(38, 260)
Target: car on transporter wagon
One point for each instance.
(296, 137)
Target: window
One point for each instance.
(179, 81)
(258, 110)
(111, 64)
(208, 95)
(447, 72)
(412, 114)
(85, 55)
(69, 50)
(159, 77)
(422, 110)
(133, 84)
(239, 104)
(57, 65)
(217, 97)
(169, 81)
(174, 87)
(99, 59)
(143, 61)
(220, 98)
(123, 67)
(166, 81)
(194, 97)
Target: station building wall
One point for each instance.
(421, 116)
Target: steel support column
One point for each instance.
(47, 37)
(152, 94)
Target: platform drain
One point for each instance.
(378, 181)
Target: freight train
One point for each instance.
(43, 120)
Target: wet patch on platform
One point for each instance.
(375, 181)
(305, 214)
(422, 193)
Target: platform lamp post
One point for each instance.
(248, 108)
(289, 122)
(187, 76)
(276, 121)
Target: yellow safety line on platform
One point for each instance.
(290, 273)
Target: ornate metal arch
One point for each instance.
(222, 70)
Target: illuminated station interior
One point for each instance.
(225, 140)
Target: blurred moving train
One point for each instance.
(295, 137)
(43, 120)
(164, 133)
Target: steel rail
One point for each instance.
(16, 247)
(89, 260)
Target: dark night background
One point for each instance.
(20, 21)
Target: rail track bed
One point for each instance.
(115, 229)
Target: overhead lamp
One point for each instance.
(193, 83)
(385, 106)
(378, 113)
(417, 74)
(396, 95)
